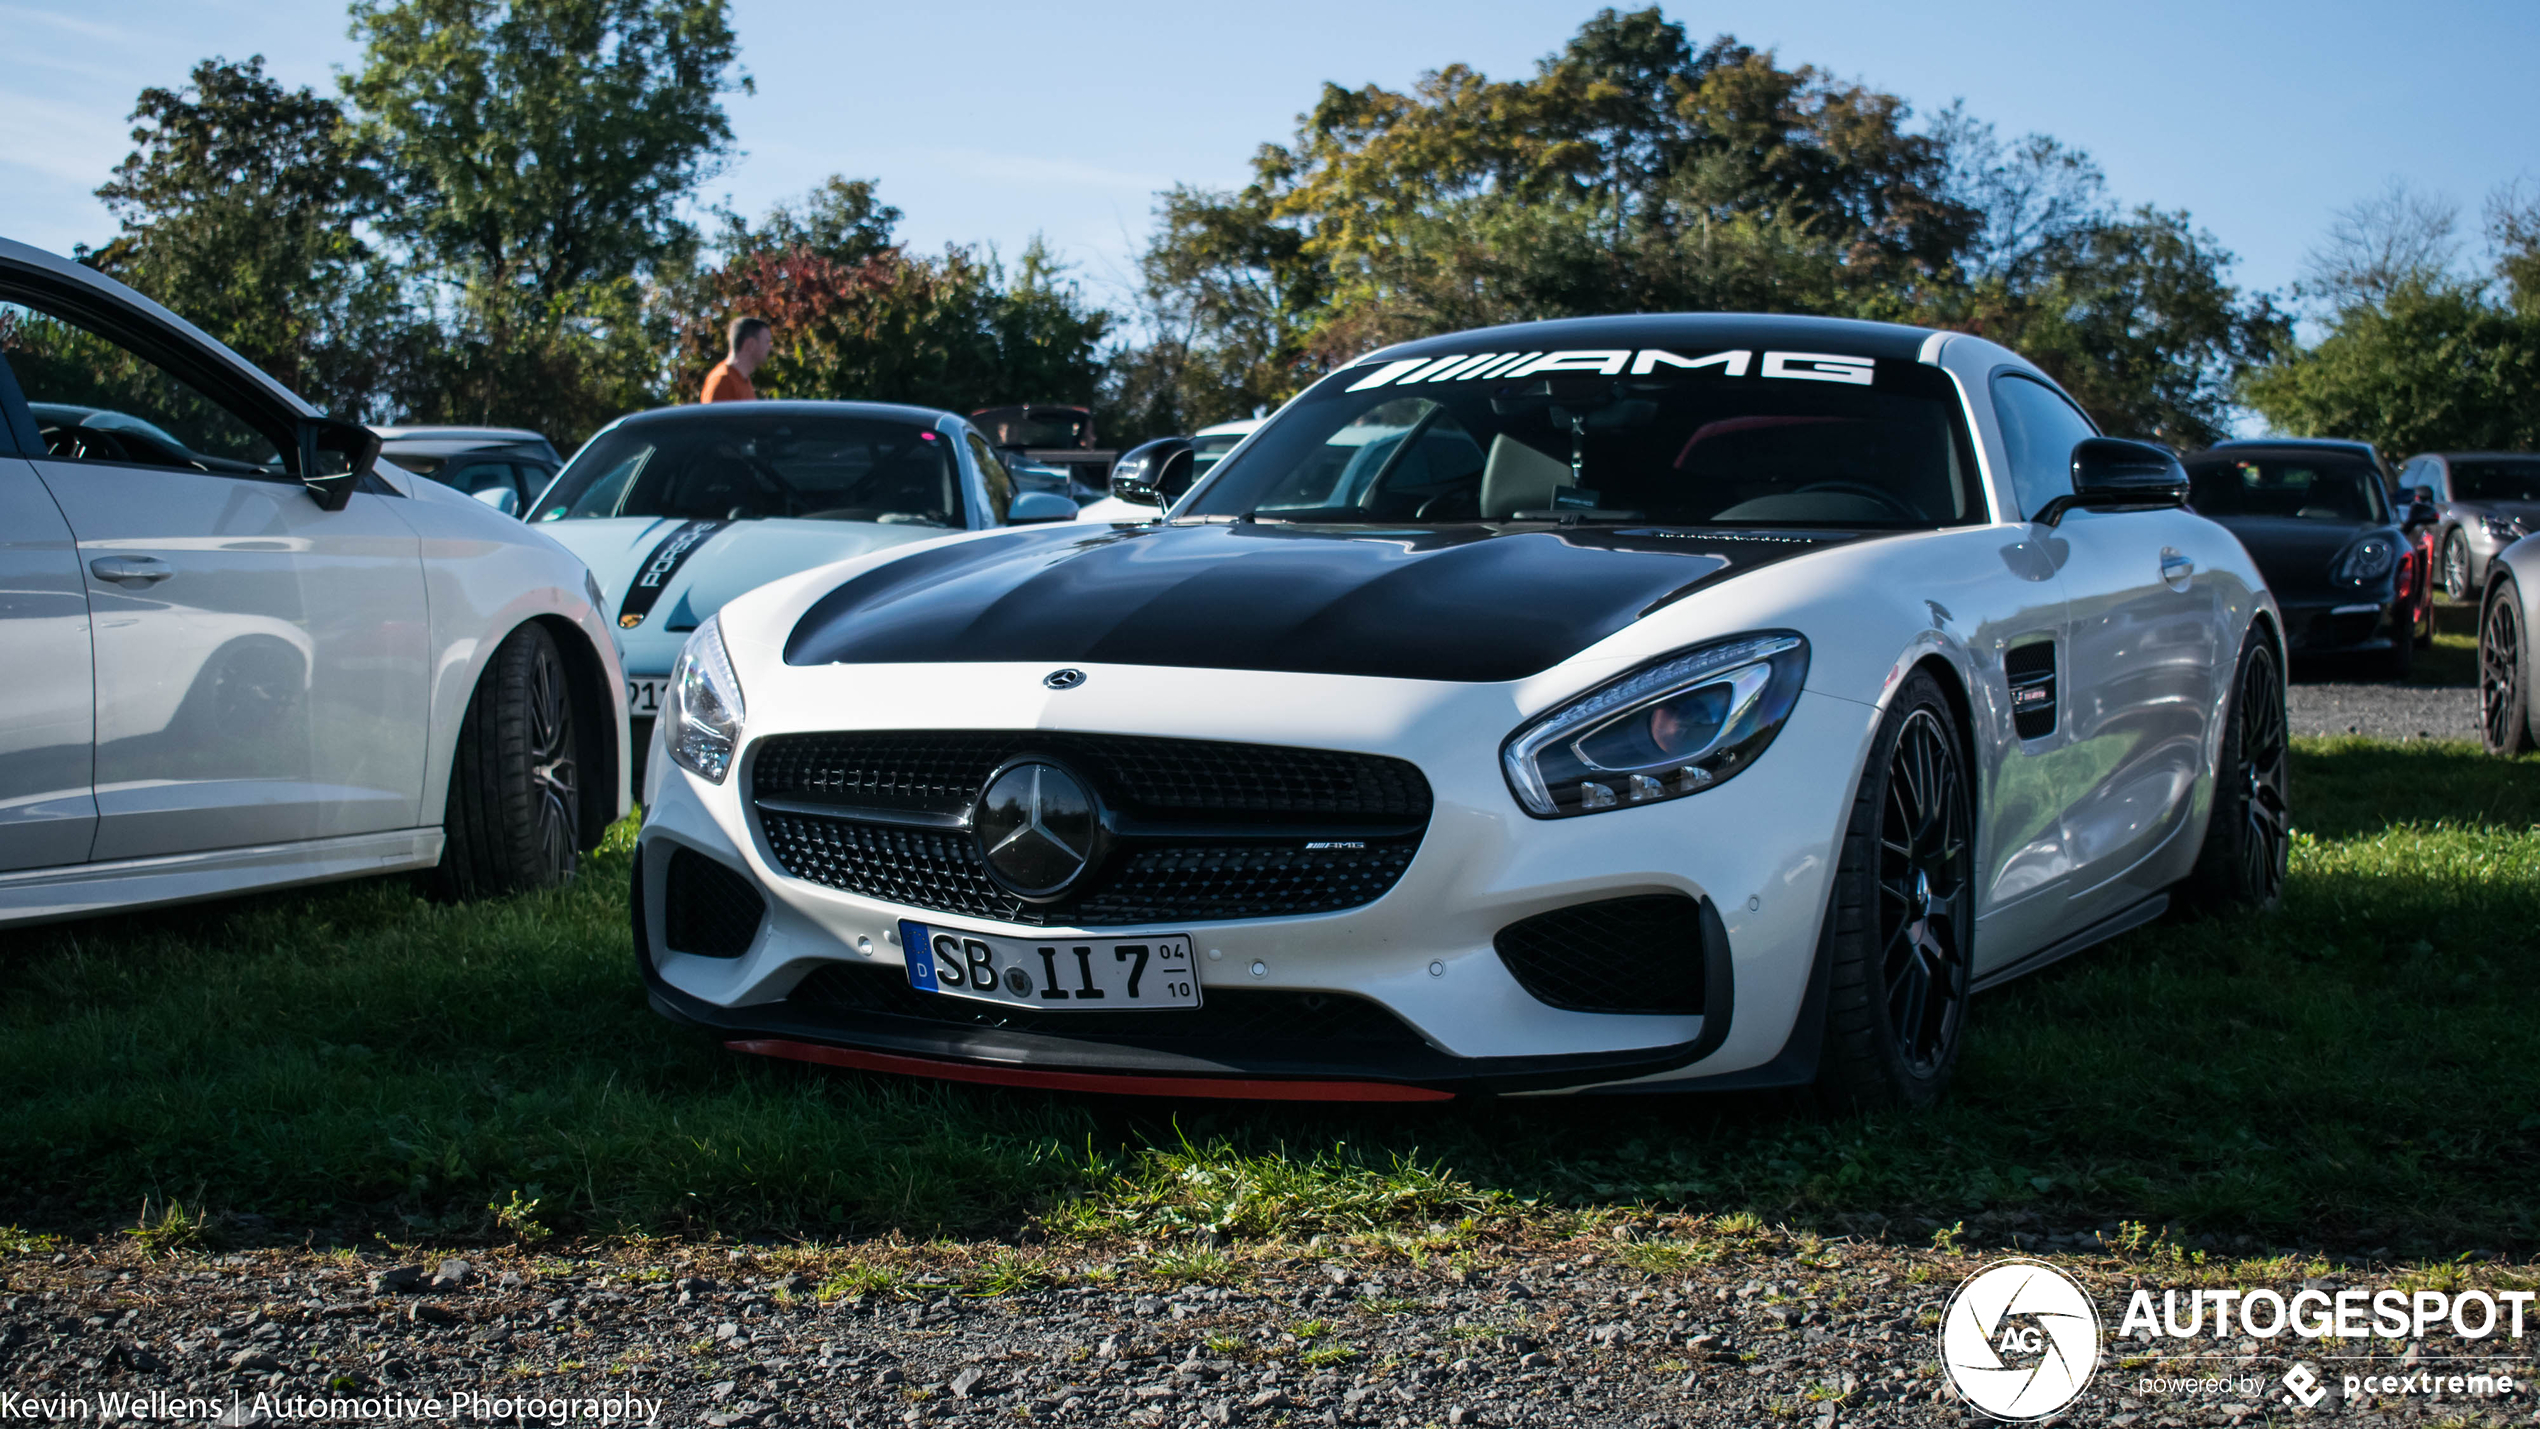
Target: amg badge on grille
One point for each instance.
(1039, 829)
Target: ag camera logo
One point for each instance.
(2019, 1340)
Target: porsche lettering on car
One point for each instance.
(1674, 702)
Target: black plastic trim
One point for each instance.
(2125, 920)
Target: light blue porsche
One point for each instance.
(678, 510)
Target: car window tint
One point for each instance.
(2315, 488)
(740, 466)
(1715, 442)
(993, 474)
(96, 400)
(2039, 429)
(2497, 480)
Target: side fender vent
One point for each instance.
(2031, 671)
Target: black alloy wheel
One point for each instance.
(2504, 686)
(1925, 894)
(1900, 921)
(2456, 566)
(514, 817)
(2249, 833)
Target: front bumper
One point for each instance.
(2357, 625)
(1430, 1005)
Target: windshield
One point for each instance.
(2496, 480)
(2312, 487)
(1033, 426)
(1681, 444)
(749, 465)
(1206, 451)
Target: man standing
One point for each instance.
(750, 340)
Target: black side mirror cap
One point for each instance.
(1154, 473)
(334, 457)
(2114, 474)
(2421, 512)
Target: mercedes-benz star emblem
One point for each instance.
(1063, 679)
(1039, 829)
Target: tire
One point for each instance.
(2249, 833)
(2456, 567)
(514, 818)
(1900, 923)
(2504, 672)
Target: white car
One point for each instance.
(244, 654)
(1680, 702)
(681, 509)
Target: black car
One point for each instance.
(2317, 518)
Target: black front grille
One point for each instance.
(1639, 954)
(942, 773)
(1210, 831)
(1296, 1020)
(708, 909)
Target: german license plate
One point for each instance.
(1056, 975)
(643, 697)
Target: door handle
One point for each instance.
(131, 572)
(2176, 567)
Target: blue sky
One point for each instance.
(990, 122)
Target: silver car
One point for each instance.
(2488, 501)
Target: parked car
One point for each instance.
(1047, 437)
(2508, 611)
(484, 462)
(244, 654)
(681, 509)
(2485, 502)
(2317, 518)
(1150, 475)
(1666, 710)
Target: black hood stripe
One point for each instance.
(654, 576)
(1463, 603)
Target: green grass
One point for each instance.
(2361, 1070)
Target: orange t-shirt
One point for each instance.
(724, 384)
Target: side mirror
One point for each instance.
(2421, 512)
(2425, 493)
(334, 457)
(1033, 507)
(2113, 474)
(501, 498)
(1153, 474)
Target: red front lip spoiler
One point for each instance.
(1115, 1083)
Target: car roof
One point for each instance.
(695, 411)
(412, 446)
(60, 269)
(1242, 427)
(440, 433)
(2479, 456)
(2297, 444)
(1893, 342)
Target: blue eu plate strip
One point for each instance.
(917, 949)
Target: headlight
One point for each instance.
(2367, 560)
(2504, 528)
(1666, 730)
(702, 726)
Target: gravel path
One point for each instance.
(2396, 712)
(1678, 1327)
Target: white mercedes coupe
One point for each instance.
(242, 653)
(1648, 703)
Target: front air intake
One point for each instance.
(707, 909)
(1645, 953)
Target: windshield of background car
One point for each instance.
(752, 465)
(1040, 427)
(1794, 440)
(1206, 451)
(2313, 487)
(2496, 480)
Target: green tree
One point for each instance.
(239, 208)
(536, 154)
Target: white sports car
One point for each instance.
(681, 509)
(1628, 703)
(243, 654)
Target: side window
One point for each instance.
(993, 474)
(2039, 427)
(94, 399)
